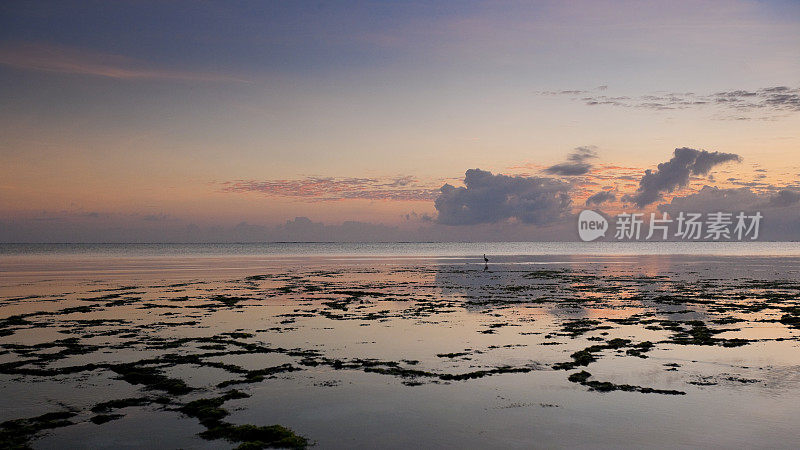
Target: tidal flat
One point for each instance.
(550, 351)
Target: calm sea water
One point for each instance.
(405, 249)
(718, 318)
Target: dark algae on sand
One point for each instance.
(154, 338)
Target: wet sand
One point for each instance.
(551, 351)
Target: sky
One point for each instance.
(137, 121)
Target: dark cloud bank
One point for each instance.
(711, 198)
(780, 208)
(299, 229)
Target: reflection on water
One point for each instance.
(553, 350)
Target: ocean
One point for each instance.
(412, 249)
(556, 345)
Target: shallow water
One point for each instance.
(353, 349)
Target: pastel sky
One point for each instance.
(182, 121)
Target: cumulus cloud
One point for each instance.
(488, 198)
(601, 197)
(577, 162)
(675, 173)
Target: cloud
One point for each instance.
(601, 197)
(402, 181)
(424, 217)
(780, 222)
(712, 198)
(576, 162)
(778, 97)
(404, 188)
(303, 229)
(488, 198)
(675, 173)
(775, 99)
(156, 217)
(785, 198)
(61, 59)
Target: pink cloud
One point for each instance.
(404, 188)
(61, 59)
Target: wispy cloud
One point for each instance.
(70, 60)
(404, 188)
(773, 99)
(601, 197)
